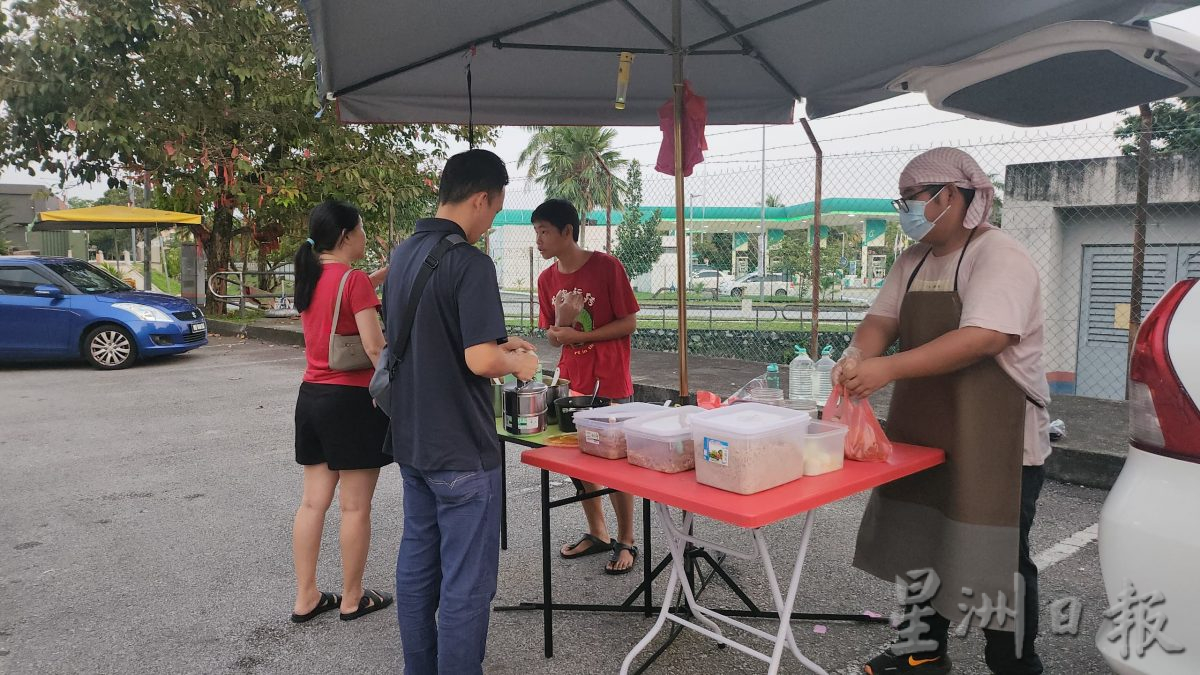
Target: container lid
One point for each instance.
(618, 413)
(749, 419)
(670, 424)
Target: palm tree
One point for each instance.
(577, 164)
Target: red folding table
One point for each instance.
(752, 512)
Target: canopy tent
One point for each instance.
(543, 62)
(111, 217)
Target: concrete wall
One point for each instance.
(1058, 208)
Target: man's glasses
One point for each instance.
(901, 205)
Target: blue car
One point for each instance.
(62, 308)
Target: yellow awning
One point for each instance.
(110, 217)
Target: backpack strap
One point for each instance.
(414, 297)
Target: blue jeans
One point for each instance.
(449, 555)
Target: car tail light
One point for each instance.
(1163, 418)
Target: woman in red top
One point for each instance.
(339, 432)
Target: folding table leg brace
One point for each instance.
(677, 539)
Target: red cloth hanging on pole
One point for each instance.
(695, 116)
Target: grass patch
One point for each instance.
(165, 283)
(248, 315)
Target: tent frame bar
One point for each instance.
(748, 48)
(648, 24)
(670, 47)
(734, 32)
(467, 45)
(614, 50)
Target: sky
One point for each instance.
(864, 150)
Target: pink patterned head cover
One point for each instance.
(951, 165)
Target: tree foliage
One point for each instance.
(715, 250)
(1176, 128)
(794, 256)
(639, 242)
(214, 101)
(577, 164)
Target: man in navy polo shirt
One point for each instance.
(443, 426)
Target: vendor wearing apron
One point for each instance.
(965, 304)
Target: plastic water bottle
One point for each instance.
(772, 376)
(800, 376)
(825, 375)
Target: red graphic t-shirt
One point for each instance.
(607, 296)
(357, 296)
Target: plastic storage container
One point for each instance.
(823, 447)
(600, 430)
(750, 447)
(662, 441)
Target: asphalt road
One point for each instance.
(146, 529)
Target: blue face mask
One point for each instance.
(914, 223)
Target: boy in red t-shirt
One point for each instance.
(588, 308)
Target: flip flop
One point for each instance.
(327, 602)
(616, 557)
(371, 601)
(598, 546)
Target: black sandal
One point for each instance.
(616, 557)
(598, 546)
(327, 602)
(371, 601)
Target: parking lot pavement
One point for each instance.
(146, 529)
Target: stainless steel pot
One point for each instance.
(560, 390)
(525, 408)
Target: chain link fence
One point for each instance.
(1068, 197)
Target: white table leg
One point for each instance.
(678, 577)
(677, 538)
(784, 606)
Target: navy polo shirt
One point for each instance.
(442, 416)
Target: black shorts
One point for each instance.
(338, 425)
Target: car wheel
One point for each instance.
(779, 292)
(109, 348)
(737, 292)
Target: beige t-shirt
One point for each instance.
(1001, 291)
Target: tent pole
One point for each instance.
(146, 239)
(816, 249)
(680, 225)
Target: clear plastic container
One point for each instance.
(767, 396)
(663, 441)
(600, 429)
(750, 447)
(824, 447)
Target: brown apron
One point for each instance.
(960, 519)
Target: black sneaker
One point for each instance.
(922, 664)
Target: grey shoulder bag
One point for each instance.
(346, 352)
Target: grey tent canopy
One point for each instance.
(536, 62)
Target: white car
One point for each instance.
(774, 284)
(1150, 524)
(710, 279)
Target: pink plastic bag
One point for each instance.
(865, 441)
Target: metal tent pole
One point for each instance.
(680, 224)
(146, 254)
(762, 220)
(816, 250)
